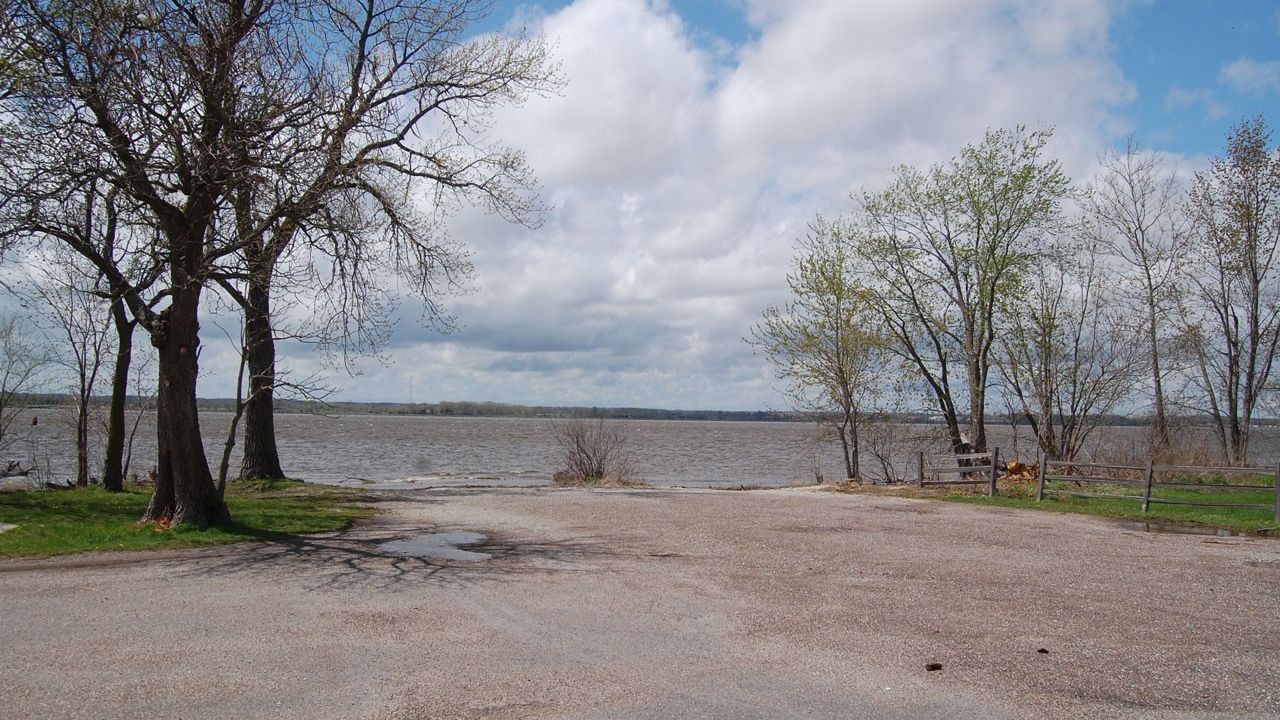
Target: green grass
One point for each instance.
(1023, 495)
(70, 521)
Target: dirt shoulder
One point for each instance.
(660, 604)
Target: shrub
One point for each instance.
(594, 454)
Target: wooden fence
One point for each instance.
(986, 469)
(989, 468)
(1097, 474)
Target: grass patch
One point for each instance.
(91, 519)
(1023, 495)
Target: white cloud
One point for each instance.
(680, 180)
(1202, 98)
(1251, 76)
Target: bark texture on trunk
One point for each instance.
(82, 439)
(1161, 439)
(844, 451)
(261, 456)
(185, 492)
(113, 462)
(977, 407)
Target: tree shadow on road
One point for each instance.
(357, 559)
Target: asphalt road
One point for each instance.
(659, 604)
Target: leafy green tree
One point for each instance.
(823, 342)
(940, 258)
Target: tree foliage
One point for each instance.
(228, 129)
(1233, 309)
(941, 257)
(1067, 354)
(823, 343)
(1135, 208)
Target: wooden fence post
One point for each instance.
(920, 475)
(1277, 484)
(995, 461)
(1146, 486)
(1044, 462)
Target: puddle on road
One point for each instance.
(439, 546)
(1174, 528)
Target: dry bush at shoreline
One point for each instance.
(594, 454)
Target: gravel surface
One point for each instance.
(659, 604)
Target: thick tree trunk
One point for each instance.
(113, 463)
(261, 457)
(185, 492)
(977, 408)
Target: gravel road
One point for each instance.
(659, 604)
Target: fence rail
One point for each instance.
(990, 471)
(1148, 483)
(1097, 474)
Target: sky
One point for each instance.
(693, 141)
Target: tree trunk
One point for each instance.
(977, 410)
(82, 434)
(853, 436)
(185, 492)
(1161, 439)
(842, 430)
(261, 457)
(113, 463)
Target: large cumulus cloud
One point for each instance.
(679, 176)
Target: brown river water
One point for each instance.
(422, 451)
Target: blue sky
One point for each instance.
(1178, 55)
(1172, 51)
(695, 139)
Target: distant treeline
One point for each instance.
(495, 409)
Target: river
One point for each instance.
(419, 451)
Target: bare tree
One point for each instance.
(941, 254)
(823, 342)
(22, 362)
(1234, 314)
(139, 98)
(341, 168)
(115, 461)
(79, 330)
(177, 105)
(309, 388)
(91, 216)
(1067, 356)
(1135, 204)
(143, 381)
(893, 442)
